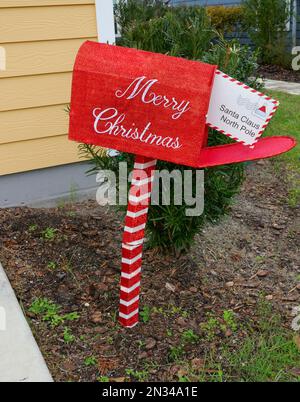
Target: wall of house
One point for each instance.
(38, 41)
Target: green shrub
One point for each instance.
(225, 19)
(183, 32)
(180, 31)
(236, 60)
(137, 10)
(266, 24)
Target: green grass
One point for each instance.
(140, 376)
(287, 122)
(51, 312)
(90, 361)
(68, 336)
(49, 234)
(266, 358)
(267, 352)
(145, 314)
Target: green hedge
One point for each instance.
(226, 19)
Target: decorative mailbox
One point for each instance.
(140, 102)
(160, 107)
(152, 105)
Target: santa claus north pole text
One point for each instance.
(239, 122)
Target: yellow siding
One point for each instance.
(37, 154)
(43, 23)
(27, 124)
(40, 39)
(25, 3)
(31, 58)
(34, 91)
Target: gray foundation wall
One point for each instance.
(48, 187)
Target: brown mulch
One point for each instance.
(278, 73)
(254, 251)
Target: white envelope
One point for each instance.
(238, 111)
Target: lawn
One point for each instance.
(287, 122)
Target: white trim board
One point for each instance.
(105, 21)
(20, 357)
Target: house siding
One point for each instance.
(40, 39)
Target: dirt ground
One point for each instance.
(274, 72)
(252, 253)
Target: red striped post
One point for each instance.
(133, 239)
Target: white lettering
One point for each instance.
(109, 121)
(140, 87)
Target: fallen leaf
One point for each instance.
(142, 355)
(69, 366)
(181, 321)
(262, 273)
(228, 333)
(106, 364)
(96, 317)
(197, 363)
(182, 372)
(150, 343)
(170, 287)
(102, 287)
(118, 379)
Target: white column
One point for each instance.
(105, 21)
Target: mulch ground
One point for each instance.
(278, 73)
(254, 251)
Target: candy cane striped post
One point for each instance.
(133, 239)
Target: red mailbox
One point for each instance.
(141, 102)
(152, 105)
